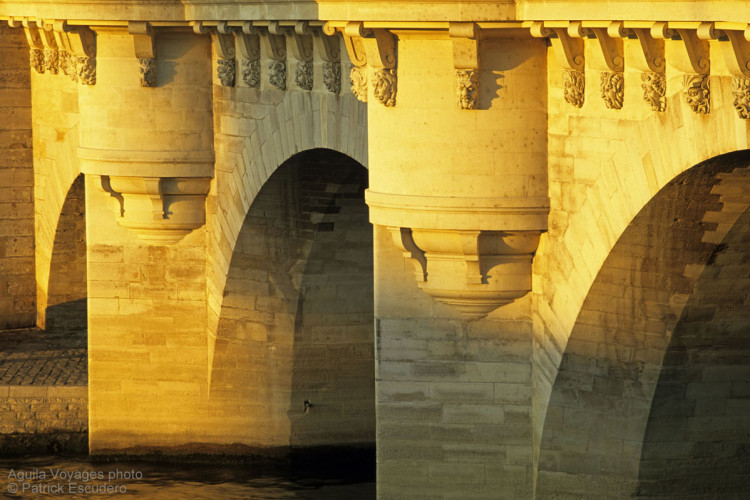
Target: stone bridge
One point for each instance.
(540, 205)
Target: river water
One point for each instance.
(77, 477)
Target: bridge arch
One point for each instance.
(659, 344)
(293, 358)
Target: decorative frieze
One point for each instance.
(741, 96)
(697, 93)
(467, 82)
(574, 87)
(277, 74)
(655, 90)
(384, 86)
(304, 75)
(332, 76)
(612, 88)
(358, 78)
(251, 72)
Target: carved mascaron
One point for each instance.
(147, 67)
(304, 75)
(612, 87)
(655, 90)
(277, 74)
(225, 71)
(332, 76)
(467, 81)
(359, 83)
(574, 86)
(384, 86)
(741, 96)
(698, 93)
(251, 72)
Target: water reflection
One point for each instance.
(47, 477)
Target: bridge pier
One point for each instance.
(455, 230)
(147, 153)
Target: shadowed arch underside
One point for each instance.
(293, 363)
(667, 311)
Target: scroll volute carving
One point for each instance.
(472, 271)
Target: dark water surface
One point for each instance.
(78, 477)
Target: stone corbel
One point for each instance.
(51, 50)
(465, 39)
(612, 81)
(144, 45)
(34, 39)
(567, 44)
(223, 42)
(403, 239)
(380, 47)
(274, 45)
(66, 59)
(354, 33)
(160, 196)
(697, 88)
(80, 44)
(651, 60)
(302, 50)
(248, 38)
(737, 56)
(328, 49)
(472, 271)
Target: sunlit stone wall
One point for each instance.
(17, 290)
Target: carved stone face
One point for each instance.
(359, 83)
(741, 94)
(654, 90)
(384, 86)
(612, 89)
(697, 93)
(468, 87)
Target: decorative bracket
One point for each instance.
(161, 195)
(328, 49)
(223, 42)
(51, 50)
(302, 51)
(610, 43)
(144, 45)
(652, 50)
(403, 239)
(464, 37)
(473, 271)
(80, 43)
(34, 39)
(697, 51)
(249, 43)
(567, 44)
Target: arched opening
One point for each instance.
(622, 414)
(697, 439)
(293, 363)
(65, 308)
